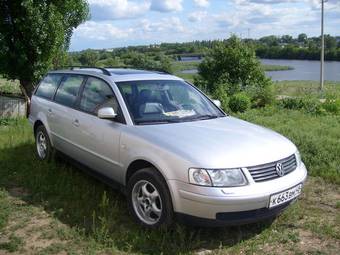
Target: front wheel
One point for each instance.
(149, 199)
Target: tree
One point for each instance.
(271, 40)
(302, 38)
(286, 39)
(234, 66)
(89, 58)
(33, 33)
(330, 42)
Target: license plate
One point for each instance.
(285, 196)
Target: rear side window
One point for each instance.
(69, 89)
(48, 86)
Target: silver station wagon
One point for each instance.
(171, 149)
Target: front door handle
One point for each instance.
(76, 123)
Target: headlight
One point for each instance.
(217, 177)
(199, 177)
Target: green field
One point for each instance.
(303, 88)
(50, 208)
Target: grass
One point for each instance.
(317, 137)
(178, 66)
(272, 68)
(303, 88)
(49, 208)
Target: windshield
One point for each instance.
(166, 101)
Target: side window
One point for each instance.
(68, 90)
(98, 94)
(48, 86)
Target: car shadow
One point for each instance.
(79, 200)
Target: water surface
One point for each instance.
(303, 70)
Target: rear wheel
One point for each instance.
(149, 199)
(44, 150)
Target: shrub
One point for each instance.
(308, 104)
(221, 94)
(261, 96)
(234, 64)
(332, 106)
(239, 102)
(291, 103)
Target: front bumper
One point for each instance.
(234, 205)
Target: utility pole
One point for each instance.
(322, 60)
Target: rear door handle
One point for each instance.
(50, 113)
(76, 123)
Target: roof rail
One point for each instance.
(140, 69)
(104, 70)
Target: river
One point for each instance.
(303, 70)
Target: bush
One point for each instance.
(234, 64)
(291, 103)
(221, 94)
(239, 102)
(261, 96)
(332, 106)
(308, 104)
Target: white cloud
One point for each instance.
(100, 31)
(117, 9)
(166, 5)
(201, 3)
(172, 24)
(197, 16)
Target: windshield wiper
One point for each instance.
(150, 122)
(205, 117)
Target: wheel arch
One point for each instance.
(137, 165)
(37, 123)
(40, 122)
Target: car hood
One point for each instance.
(219, 143)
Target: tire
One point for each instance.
(44, 149)
(155, 210)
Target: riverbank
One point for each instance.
(274, 68)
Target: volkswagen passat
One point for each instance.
(171, 149)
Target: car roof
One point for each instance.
(120, 74)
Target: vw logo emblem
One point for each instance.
(279, 169)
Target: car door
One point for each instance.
(98, 139)
(62, 113)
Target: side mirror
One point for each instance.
(217, 102)
(107, 113)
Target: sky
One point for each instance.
(119, 23)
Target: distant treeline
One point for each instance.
(302, 47)
(160, 56)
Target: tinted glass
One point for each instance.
(48, 86)
(166, 101)
(97, 94)
(68, 90)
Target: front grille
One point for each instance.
(268, 172)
